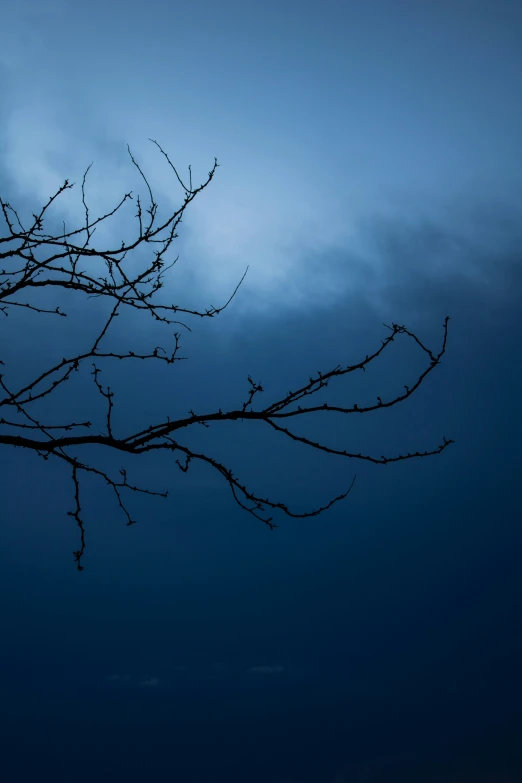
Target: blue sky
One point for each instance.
(370, 165)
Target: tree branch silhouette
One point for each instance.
(32, 259)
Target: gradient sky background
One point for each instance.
(370, 171)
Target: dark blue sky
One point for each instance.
(370, 171)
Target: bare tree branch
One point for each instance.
(33, 259)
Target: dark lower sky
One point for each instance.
(371, 174)
(378, 642)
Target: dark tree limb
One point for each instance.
(32, 259)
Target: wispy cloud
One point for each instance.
(146, 682)
(150, 682)
(266, 669)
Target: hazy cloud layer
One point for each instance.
(282, 201)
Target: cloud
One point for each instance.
(301, 249)
(266, 669)
(147, 682)
(150, 682)
(282, 202)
